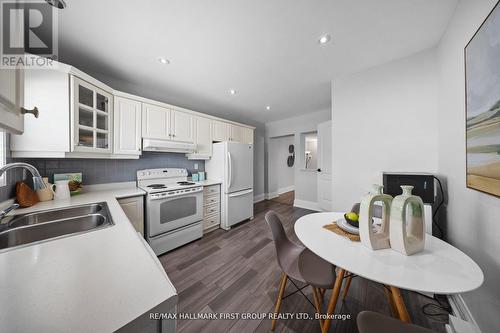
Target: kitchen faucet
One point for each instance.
(38, 182)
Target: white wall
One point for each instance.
(401, 97)
(305, 181)
(473, 217)
(384, 119)
(284, 175)
(258, 165)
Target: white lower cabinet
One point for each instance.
(127, 126)
(211, 207)
(133, 207)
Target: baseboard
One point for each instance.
(271, 195)
(259, 197)
(462, 312)
(286, 189)
(306, 204)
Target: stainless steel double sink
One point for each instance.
(55, 223)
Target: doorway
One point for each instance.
(282, 154)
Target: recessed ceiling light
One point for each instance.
(164, 61)
(268, 107)
(324, 39)
(232, 92)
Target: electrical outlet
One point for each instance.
(196, 166)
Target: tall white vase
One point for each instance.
(407, 232)
(370, 238)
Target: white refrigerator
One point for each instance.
(232, 163)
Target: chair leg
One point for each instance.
(318, 305)
(322, 292)
(390, 300)
(346, 288)
(279, 299)
(333, 299)
(400, 304)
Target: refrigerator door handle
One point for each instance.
(230, 170)
(240, 193)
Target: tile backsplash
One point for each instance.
(99, 171)
(13, 176)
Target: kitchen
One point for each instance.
(167, 208)
(175, 167)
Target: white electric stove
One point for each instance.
(174, 208)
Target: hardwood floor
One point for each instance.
(286, 198)
(237, 271)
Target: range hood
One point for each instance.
(167, 146)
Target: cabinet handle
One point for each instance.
(34, 111)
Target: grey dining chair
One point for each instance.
(300, 264)
(372, 322)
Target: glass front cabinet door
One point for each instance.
(92, 117)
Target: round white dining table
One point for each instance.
(440, 269)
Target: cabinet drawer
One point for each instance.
(211, 209)
(211, 221)
(212, 189)
(211, 199)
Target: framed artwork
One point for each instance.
(482, 105)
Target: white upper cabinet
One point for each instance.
(165, 124)
(127, 126)
(155, 122)
(220, 130)
(81, 117)
(247, 135)
(92, 114)
(182, 126)
(236, 133)
(203, 138)
(11, 100)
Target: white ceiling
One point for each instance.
(266, 50)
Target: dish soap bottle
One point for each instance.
(407, 231)
(370, 238)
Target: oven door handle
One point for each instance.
(229, 170)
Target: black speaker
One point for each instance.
(423, 184)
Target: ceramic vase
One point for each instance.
(407, 232)
(370, 238)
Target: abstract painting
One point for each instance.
(482, 77)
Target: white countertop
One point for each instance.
(440, 268)
(208, 182)
(92, 282)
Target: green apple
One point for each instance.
(352, 216)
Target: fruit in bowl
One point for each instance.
(352, 218)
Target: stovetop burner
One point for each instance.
(185, 183)
(156, 186)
